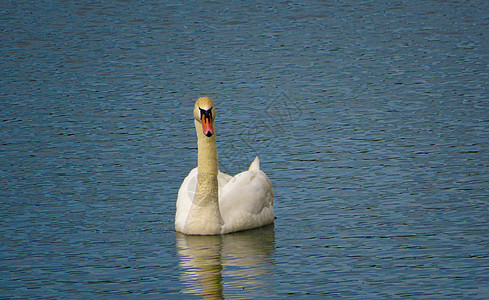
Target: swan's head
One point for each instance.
(205, 113)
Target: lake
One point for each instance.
(370, 118)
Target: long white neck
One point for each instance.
(207, 158)
(204, 216)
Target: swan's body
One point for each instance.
(211, 202)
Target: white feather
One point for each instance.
(245, 200)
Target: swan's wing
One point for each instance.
(223, 179)
(247, 201)
(185, 198)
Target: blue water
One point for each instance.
(371, 119)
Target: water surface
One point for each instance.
(370, 118)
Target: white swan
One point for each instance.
(211, 202)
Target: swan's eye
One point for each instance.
(206, 115)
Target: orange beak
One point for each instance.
(207, 125)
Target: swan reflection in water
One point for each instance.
(239, 262)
